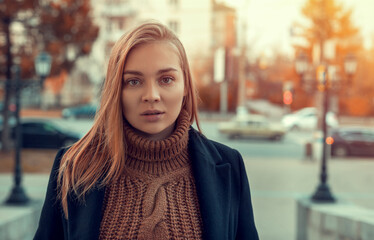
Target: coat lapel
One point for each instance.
(213, 186)
(85, 218)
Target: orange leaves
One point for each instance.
(86, 48)
(328, 19)
(55, 47)
(70, 25)
(56, 83)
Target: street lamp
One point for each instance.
(43, 67)
(323, 193)
(18, 195)
(43, 64)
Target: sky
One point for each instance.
(270, 21)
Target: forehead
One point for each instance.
(153, 55)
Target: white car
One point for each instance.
(307, 119)
(252, 126)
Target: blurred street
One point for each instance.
(277, 170)
(275, 186)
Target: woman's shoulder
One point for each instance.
(60, 154)
(57, 161)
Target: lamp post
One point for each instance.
(18, 195)
(42, 66)
(323, 193)
(42, 69)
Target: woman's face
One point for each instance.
(153, 89)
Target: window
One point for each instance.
(38, 128)
(109, 25)
(351, 136)
(174, 26)
(108, 48)
(121, 23)
(368, 136)
(115, 2)
(174, 3)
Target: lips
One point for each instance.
(152, 115)
(151, 112)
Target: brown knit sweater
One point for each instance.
(156, 197)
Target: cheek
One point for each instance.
(176, 97)
(126, 103)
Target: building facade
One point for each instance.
(198, 24)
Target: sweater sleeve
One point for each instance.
(246, 224)
(51, 219)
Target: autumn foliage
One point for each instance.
(329, 22)
(63, 28)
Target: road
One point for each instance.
(292, 146)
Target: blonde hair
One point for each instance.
(98, 158)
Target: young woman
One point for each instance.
(142, 171)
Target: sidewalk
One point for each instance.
(20, 222)
(275, 186)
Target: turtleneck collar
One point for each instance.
(157, 156)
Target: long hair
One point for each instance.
(98, 158)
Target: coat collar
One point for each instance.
(213, 186)
(85, 217)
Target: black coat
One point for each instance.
(221, 184)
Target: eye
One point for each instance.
(132, 82)
(166, 80)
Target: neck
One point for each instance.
(167, 132)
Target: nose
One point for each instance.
(151, 93)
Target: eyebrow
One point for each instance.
(158, 72)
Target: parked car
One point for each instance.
(83, 111)
(242, 111)
(307, 119)
(352, 141)
(46, 133)
(252, 126)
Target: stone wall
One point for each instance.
(19, 223)
(333, 221)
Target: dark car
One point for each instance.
(46, 133)
(83, 111)
(352, 141)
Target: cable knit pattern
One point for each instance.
(156, 197)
